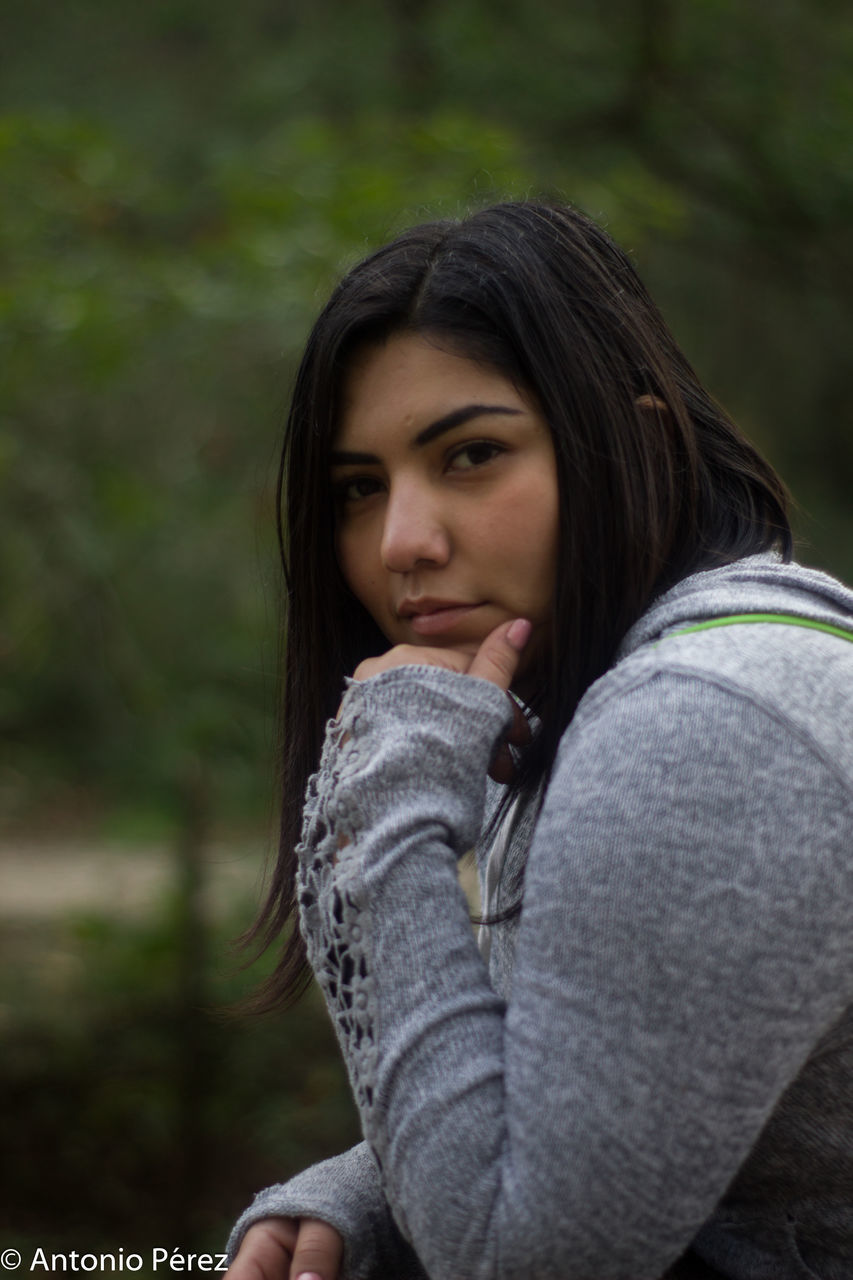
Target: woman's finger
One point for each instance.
(318, 1251)
(266, 1251)
(498, 655)
(405, 655)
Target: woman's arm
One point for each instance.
(343, 1193)
(342, 1200)
(679, 955)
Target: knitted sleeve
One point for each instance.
(684, 943)
(345, 1192)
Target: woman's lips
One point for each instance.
(437, 621)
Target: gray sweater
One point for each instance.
(657, 1063)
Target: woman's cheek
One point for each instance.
(348, 561)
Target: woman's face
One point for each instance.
(446, 490)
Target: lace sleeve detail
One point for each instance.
(333, 914)
(403, 771)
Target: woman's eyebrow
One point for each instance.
(456, 418)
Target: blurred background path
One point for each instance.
(48, 879)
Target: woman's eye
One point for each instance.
(474, 455)
(357, 489)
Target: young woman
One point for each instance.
(506, 488)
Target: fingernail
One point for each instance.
(308, 1275)
(519, 633)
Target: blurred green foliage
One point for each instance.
(132, 1118)
(181, 182)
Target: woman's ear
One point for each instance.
(651, 404)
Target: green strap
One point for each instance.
(789, 618)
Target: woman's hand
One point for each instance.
(287, 1249)
(496, 659)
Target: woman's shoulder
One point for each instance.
(774, 640)
(713, 762)
(757, 585)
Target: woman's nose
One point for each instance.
(414, 531)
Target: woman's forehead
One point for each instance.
(408, 381)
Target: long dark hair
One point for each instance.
(655, 481)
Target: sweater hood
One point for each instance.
(757, 584)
